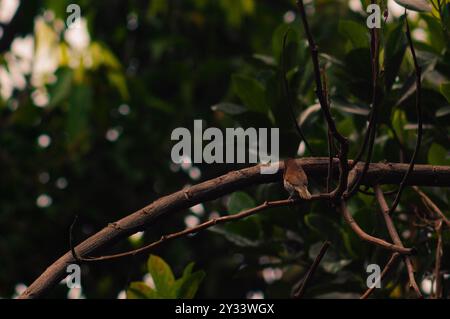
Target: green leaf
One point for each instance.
(251, 92)
(117, 80)
(186, 274)
(443, 111)
(139, 290)
(415, 5)
(436, 34)
(80, 104)
(438, 155)
(355, 32)
(229, 108)
(358, 73)
(61, 90)
(293, 37)
(393, 54)
(240, 201)
(190, 285)
(445, 90)
(162, 276)
(428, 64)
(399, 121)
(320, 224)
(242, 233)
(346, 126)
(265, 59)
(188, 269)
(330, 262)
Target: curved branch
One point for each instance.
(196, 229)
(418, 71)
(431, 205)
(315, 168)
(371, 239)
(325, 106)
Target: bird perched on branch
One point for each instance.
(295, 180)
(415, 5)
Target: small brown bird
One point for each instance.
(295, 180)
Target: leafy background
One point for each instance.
(86, 118)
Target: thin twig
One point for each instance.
(437, 267)
(369, 193)
(371, 239)
(431, 205)
(330, 139)
(71, 241)
(330, 161)
(396, 238)
(385, 271)
(325, 107)
(301, 290)
(196, 229)
(418, 71)
(362, 150)
(369, 140)
(288, 94)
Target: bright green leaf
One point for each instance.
(139, 290)
(162, 276)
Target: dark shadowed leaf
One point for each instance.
(190, 285)
(393, 54)
(445, 90)
(251, 92)
(240, 201)
(355, 32)
(438, 155)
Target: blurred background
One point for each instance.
(86, 115)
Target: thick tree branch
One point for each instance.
(315, 168)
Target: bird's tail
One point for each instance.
(303, 192)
